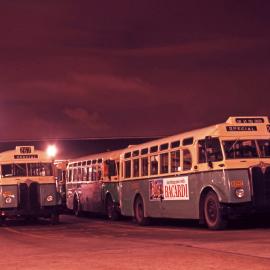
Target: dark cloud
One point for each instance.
(130, 68)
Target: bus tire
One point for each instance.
(111, 211)
(77, 207)
(139, 212)
(54, 218)
(2, 221)
(212, 210)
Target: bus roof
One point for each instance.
(24, 154)
(235, 126)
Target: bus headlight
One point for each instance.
(8, 196)
(239, 192)
(49, 198)
(8, 200)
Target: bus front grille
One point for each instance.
(29, 197)
(261, 187)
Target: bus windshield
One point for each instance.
(237, 149)
(264, 146)
(24, 169)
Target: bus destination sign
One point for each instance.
(25, 156)
(249, 120)
(25, 149)
(241, 128)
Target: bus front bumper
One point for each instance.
(46, 211)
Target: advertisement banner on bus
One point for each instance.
(175, 188)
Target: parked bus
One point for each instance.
(27, 184)
(61, 175)
(210, 174)
(93, 184)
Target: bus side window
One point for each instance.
(70, 175)
(75, 175)
(99, 172)
(135, 167)
(201, 151)
(175, 161)
(187, 160)
(164, 160)
(144, 166)
(88, 174)
(154, 164)
(127, 168)
(79, 174)
(118, 169)
(94, 173)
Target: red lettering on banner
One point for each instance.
(176, 191)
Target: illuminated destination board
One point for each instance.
(25, 156)
(249, 120)
(241, 128)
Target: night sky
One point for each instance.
(75, 69)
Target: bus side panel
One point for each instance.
(111, 188)
(178, 204)
(91, 197)
(128, 192)
(155, 206)
(174, 202)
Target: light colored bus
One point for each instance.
(210, 174)
(93, 184)
(27, 184)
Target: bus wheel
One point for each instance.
(76, 207)
(139, 212)
(213, 212)
(54, 218)
(111, 212)
(2, 221)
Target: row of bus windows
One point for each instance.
(157, 164)
(82, 171)
(93, 173)
(162, 147)
(26, 169)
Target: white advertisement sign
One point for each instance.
(176, 188)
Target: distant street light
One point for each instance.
(51, 151)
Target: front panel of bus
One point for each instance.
(27, 184)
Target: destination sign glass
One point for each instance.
(25, 156)
(241, 128)
(249, 120)
(25, 150)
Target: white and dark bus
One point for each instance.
(27, 184)
(210, 174)
(92, 184)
